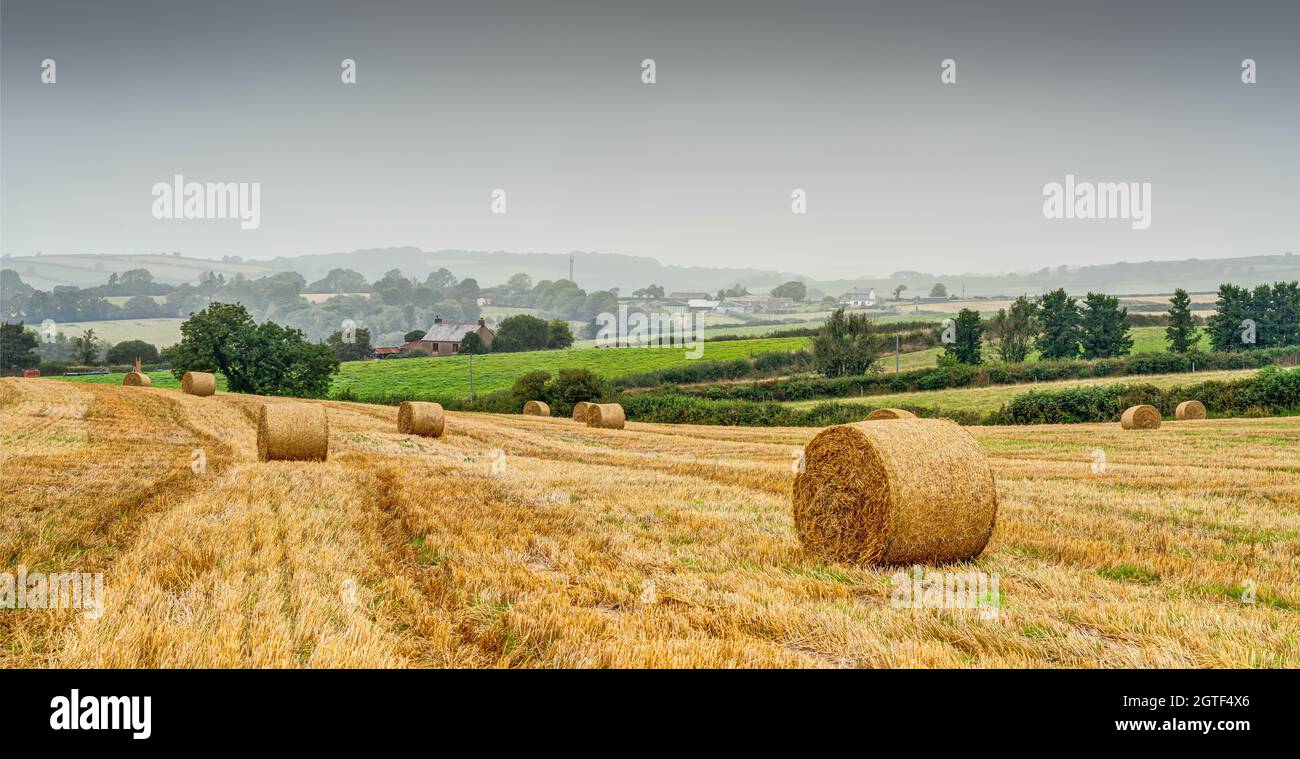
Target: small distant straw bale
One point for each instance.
(889, 413)
(1189, 410)
(1141, 417)
(199, 383)
(537, 408)
(421, 418)
(607, 416)
(137, 378)
(580, 411)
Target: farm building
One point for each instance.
(385, 352)
(858, 299)
(443, 338)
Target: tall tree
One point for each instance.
(846, 345)
(558, 334)
(1059, 317)
(1233, 306)
(521, 332)
(1284, 313)
(1105, 327)
(86, 348)
(266, 359)
(128, 351)
(17, 347)
(472, 344)
(1013, 330)
(969, 338)
(354, 349)
(1181, 332)
(794, 289)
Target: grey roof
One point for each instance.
(448, 332)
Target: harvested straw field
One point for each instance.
(530, 542)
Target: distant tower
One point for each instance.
(570, 267)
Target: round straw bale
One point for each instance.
(537, 408)
(137, 379)
(1190, 410)
(292, 431)
(919, 490)
(199, 383)
(1142, 417)
(580, 411)
(607, 416)
(889, 413)
(421, 418)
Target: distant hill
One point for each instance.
(48, 272)
(599, 271)
(1194, 275)
(592, 271)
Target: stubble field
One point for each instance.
(529, 542)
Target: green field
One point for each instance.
(448, 376)
(985, 400)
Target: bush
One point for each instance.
(676, 408)
(944, 377)
(1274, 391)
(530, 387)
(127, 351)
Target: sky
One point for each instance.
(751, 101)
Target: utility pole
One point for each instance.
(571, 267)
(896, 359)
(471, 377)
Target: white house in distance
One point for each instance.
(858, 299)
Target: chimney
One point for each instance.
(437, 320)
(481, 322)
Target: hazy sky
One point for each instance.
(753, 100)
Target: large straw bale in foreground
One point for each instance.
(580, 411)
(537, 408)
(293, 432)
(199, 383)
(1142, 417)
(889, 413)
(919, 490)
(137, 379)
(421, 418)
(1188, 410)
(607, 416)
